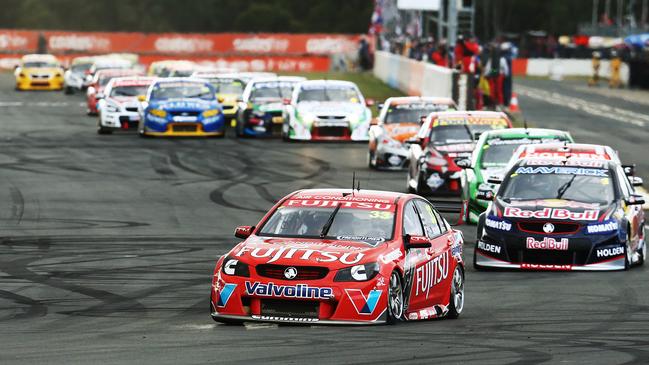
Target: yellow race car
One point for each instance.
(39, 72)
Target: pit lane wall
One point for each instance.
(254, 52)
(413, 77)
(558, 68)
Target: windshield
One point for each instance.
(498, 155)
(451, 134)
(129, 90)
(329, 93)
(497, 152)
(271, 90)
(412, 113)
(579, 184)
(40, 64)
(228, 86)
(177, 90)
(348, 223)
(103, 81)
(80, 67)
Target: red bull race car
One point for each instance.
(340, 256)
(561, 213)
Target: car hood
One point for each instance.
(41, 70)
(334, 254)
(401, 131)
(331, 108)
(487, 172)
(123, 99)
(194, 104)
(552, 210)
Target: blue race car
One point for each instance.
(181, 107)
(562, 214)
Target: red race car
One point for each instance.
(443, 139)
(99, 82)
(339, 256)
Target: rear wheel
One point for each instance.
(102, 130)
(395, 299)
(371, 162)
(456, 302)
(68, 90)
(628, 254)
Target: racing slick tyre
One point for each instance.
(627, 251)
(68, 90)
(102, 130)
(395, 299)
(456, 301)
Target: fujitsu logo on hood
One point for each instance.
(551, 213)
(275, 253)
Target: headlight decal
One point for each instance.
(362, 272)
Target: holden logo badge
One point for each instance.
(548, 228)
(290, 273)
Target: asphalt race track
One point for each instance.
(108, 244)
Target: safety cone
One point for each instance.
(513, 104)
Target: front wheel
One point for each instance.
(395, 299)
(456, 301)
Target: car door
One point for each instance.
(414, 258)
(434, 275)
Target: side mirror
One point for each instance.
(286, 101)
(100, 96)
(464, 163)
(636, 181)
(369, 102)
(380, 106)
(484, 194)
(495, 180)
(141, 98)
(629, 170)
(243, 232)
(422, 119)
(220, 99)
(634, 200)
(374, 121)
(410, 242)
(413, 140)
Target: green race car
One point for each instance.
(492, 154)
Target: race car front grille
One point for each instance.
(303, 272)
(131, 109)
(185, 114)
(228, 107)
(334, 117)
(559, 227)
(576, 254)
(189, 127)
(330, 132)
(290, 308)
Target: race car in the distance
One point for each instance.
(118, 105)
(182, 107)
(327, 110)
(562, 214)
(228, 90)
(334, 256)
(491, 156)
(443, 139)
(399, 120)
(99, 82)
(74, 78)
(261, 106)
(39, 72)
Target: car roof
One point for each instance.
(564, 161)
(117, 72)
(132, 81)
(399, 100)
(39, 57)
(160, 80)
(346, 195)
(516, 133)
(329, 82)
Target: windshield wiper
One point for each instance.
(563, 188)
(468, 130)
(330, 221)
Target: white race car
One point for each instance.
(74, 78)
(118, 106)
(327, 110)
